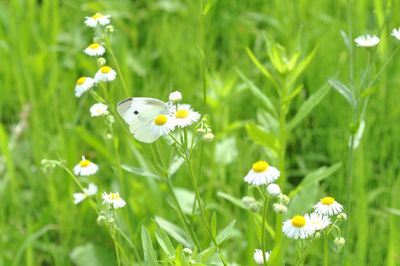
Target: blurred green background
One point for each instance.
(158, 45)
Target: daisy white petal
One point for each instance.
(328, 206)
(83, 84)
(95, 49)
(396, 33)
(262, 173)
(162, 125)
(105, 73)
(87, 192)
(113, 199)
(97, 19)
(367, 40)
(258, 256)
(85, 168)
(98, 109)
(184, 115)
(298, 227)
(319, 222)
(78, 197)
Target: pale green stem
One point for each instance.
(326, 250)
(264, 219)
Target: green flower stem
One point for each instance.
(326, 250)
(194, 183)
(114, 238)
(264, 219)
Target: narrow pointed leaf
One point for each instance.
(344, 91)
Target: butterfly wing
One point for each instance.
(139, 113)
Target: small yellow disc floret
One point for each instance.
(84, 163)
(114, 196)
(260, 166)
(105, 69)
(183, 113)
(97, 16)
(160, 120)
(298, 221)
(81, 81)
(94, 46)
(327, 200)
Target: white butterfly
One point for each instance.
(140, 114)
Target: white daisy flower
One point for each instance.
(273, 190)
(162, 125)
(261, 173)
(328, 206)
(319, 221)
(82, 85)
(113, 199)
(105, 73)
(98, 109)
(85, 168)
(97, 19)
(258, 256)
(367, 40)
(87, 192)
(184, 115)
(298, 227)
(175, 97)
(95, 49)
(396, 33)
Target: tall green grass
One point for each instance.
(159, 46)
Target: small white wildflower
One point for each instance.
(97, 19)
(259, 258)
(87, 192)
(319, 221)
(261, 173)
(113, 199)
(367, 40)
(298, 227)
(273, 190)
(175, 97)
(396, 33)
(328, 206)
(95, 49)
(85, 168)
(83, 84)
(98, 109)
(105, 73)
(184, 115)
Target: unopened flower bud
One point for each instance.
(201, 131)
(273, 190)
(110, 28)
(284, 198)
(175, 97)
(254, 207)
(317, 235)
(279, 208)
(101, 220)
(248, 200)
(187, 251)
(208, 137)
(340, 242)
(342, 216)
(101, 61)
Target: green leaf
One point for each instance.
(174, 231)
(186, 200)
(214, 224)
(92, 255)
(258, 94)
(260, 67)
(299, 69)
(315, 177)
(393, 211)
(276, 54)
(344, 91)
(174, 165)
(262, 137)
(150, 255)
(303, 201)
(206, 254)
(232, 199)
(308, 106)
(164, 242)
(207, 7)
(139, 171)
(226, 151)
(226, 232)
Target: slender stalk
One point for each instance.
(129, 242)
(326, 250)
(114, 58)
(114, 238)
(264, 219)
(195, 187)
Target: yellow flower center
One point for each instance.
(298, 221)
(97, 16)
(105, 69)
(182, 113)
(84, 163)
(94, 46)
(114, 196)
(327, 200)
(81, 81)
(260, 166)
(160, 120)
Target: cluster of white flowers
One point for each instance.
(373, 40)
(306, 226)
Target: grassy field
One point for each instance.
(220, 55)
